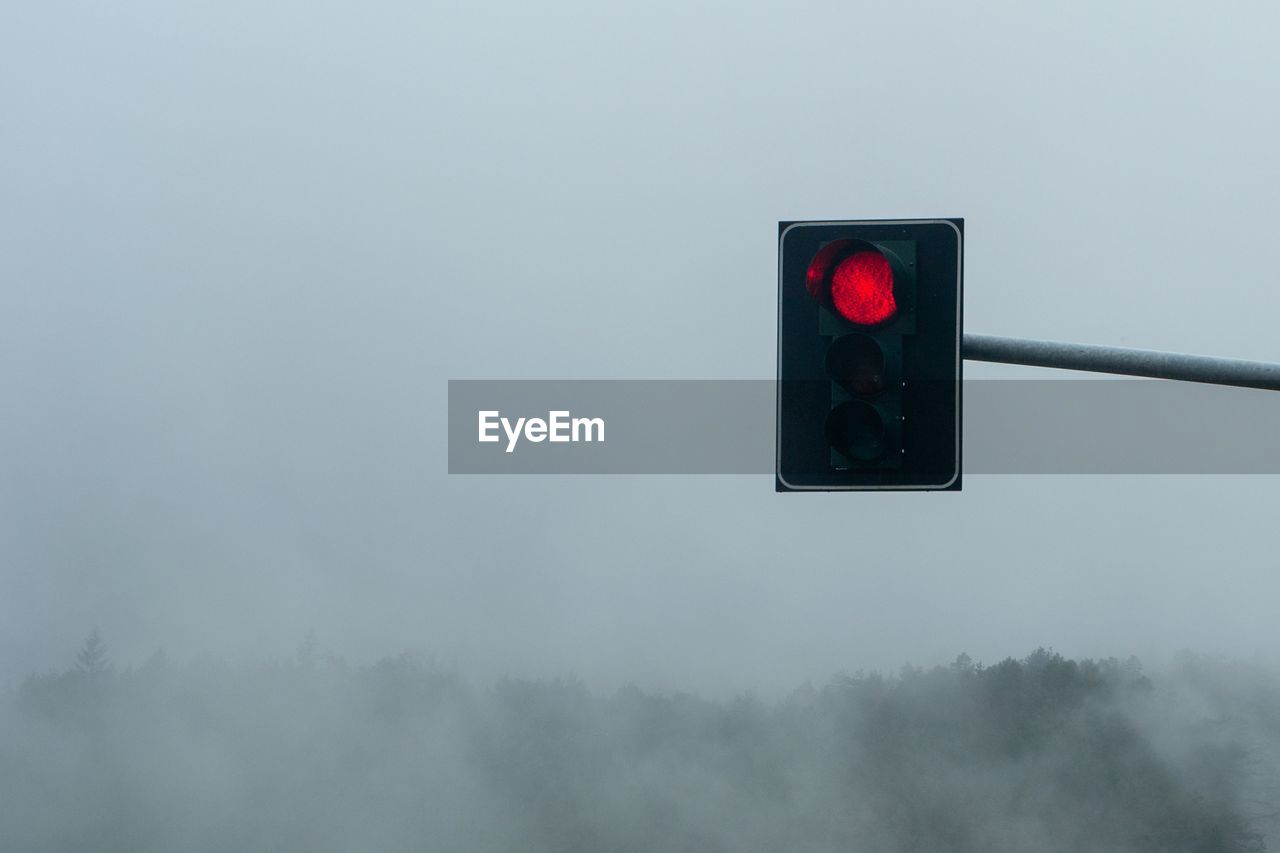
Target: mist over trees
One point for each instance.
(314, 754)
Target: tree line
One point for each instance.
(1041, 753)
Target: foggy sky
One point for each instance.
(243, 248)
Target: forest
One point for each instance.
(312, 753)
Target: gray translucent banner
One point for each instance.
(1086, 426)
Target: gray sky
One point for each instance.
(242, 249)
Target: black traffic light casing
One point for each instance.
(869, 330)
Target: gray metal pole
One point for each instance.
(1131, 362)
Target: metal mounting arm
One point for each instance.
(1130, 362)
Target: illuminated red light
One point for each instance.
(819, 266)
(862, 288)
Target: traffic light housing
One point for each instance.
(869, 330)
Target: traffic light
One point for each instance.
(869, 329)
